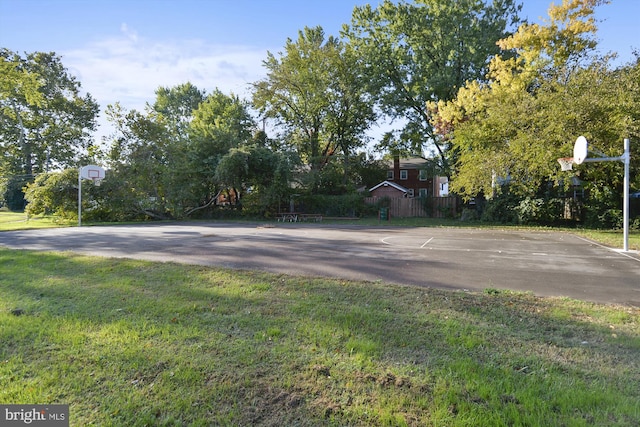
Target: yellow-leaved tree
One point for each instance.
(550, 87)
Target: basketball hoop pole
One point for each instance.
(625, 204)
(93, 172)
(626, 159)
(80, 197)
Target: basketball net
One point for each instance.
(566, 163)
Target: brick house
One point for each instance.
(413, 175)
(412, 190)
(388, 189)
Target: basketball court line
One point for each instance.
(448, 244)
(427, 242)
(634, 255)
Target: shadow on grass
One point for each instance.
(135, 343)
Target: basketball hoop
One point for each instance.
(96, 175)
(566, 163)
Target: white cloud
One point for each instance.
(129, 68)
(131, 34)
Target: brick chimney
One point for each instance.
(396, 167)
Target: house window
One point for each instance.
(423, 175)
(404, 174)
(423, 192)
(389, 174)
(410, 193)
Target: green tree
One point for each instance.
(138, 159)
(17, 82)
(175, 105)
(511, 127)
(369, 171)
(314, 91)
(220, 124)
(415, 53)
(54, 193)
(264, 175)
(166, 158)
(351, 108)
(45, 121)
(534, 106)
(174, 110)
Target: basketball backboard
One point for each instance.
(92, 172)
(580, 150)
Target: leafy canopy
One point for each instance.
(513, 127)
(415, 53)
(314, 92)
(45, 123)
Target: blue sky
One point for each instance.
(122, 50)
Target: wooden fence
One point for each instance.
(433, 207)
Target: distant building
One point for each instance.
(414, 175)
(388, 189)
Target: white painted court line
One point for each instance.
(427, 242)
(618, 251)
(517, 253)
(386, 241)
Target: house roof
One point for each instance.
(392, 184)
(409, 163)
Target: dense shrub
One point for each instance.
(544, 209)
(605, 218)
(469, 215)
(57, 193)
(501, 209)
(541, 211)
(602, 209)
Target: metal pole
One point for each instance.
(80, 197)
(626, 159)
(625, 203)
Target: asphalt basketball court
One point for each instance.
(544, 263)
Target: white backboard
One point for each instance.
(91, 172)
(580, 150)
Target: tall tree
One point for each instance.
(314, 90)
(46, 122)
(175, 106)
(174, 109)
(425, 51)
(16, 82)
(221, 123)
(138, 160)
(57, 127)
(351, 108)
(535, 105)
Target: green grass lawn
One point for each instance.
(138, 343)
(19, 221)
